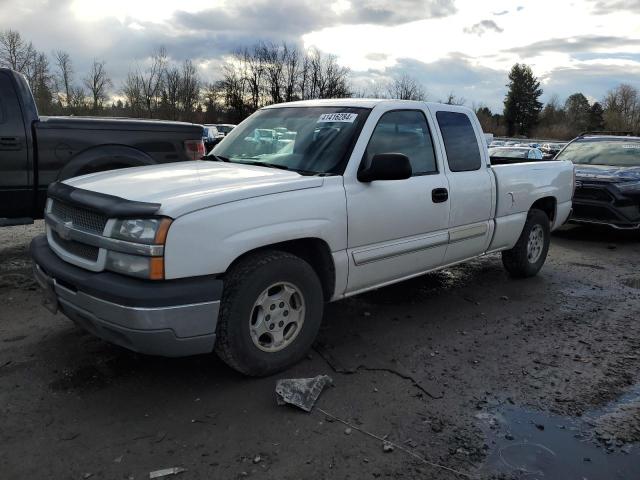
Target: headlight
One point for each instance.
(148, 231)
(629, 187)
(142, 230)
(151, 268)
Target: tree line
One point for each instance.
(268, 73)
(524, 115)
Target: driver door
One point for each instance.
(397, 228)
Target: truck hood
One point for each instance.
(607, 173)
(184, 187)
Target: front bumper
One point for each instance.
(171, 318)
(603, 204)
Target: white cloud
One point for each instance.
(588, 45)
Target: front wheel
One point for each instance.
(528, 255)
(270, 313)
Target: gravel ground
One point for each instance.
(437, 365)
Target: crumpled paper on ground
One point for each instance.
(301, 392)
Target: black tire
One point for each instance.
(516, 261)
(244, 283)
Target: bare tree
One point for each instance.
(171, 92)
(152, 79)
(98, 83)
(133, 89)
(327, 79)
(64, 76)
(77, 99)
(452, 99)
(234, 91)
(253, 70)
(273, 58)
(189, 92)
(405, 87)
(291, 71)
(622, 108)
(16, 53)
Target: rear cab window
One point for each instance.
(460, 141)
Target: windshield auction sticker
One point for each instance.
(631, 145)
(338, 117)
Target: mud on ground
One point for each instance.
(461, 367)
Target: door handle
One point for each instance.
(9, 143)
(439, 195)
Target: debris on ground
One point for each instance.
(165, 472)
(301, 392)
(386, 444)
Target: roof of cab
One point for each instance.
(364, 103)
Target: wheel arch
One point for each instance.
(104, 157)
(548, 205)
(314, 251)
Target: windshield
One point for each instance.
(620, 152)
(311, 140)
(508, 153)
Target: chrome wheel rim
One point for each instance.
(535, 244)
(277, 317)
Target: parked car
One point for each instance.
(496, 143)
(500, 155)
(211, 136)
(607, 180)
(241, 254)
(36, 151)
(550, 150)
(224, 128)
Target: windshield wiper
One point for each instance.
(262, 164)
(219, 158)
(279, 166)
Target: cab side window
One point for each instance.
(460, 141)
(406, 132)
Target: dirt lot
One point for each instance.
(465, 368)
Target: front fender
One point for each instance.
(207, 241)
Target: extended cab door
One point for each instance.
(471, 184)
(16, 196)
(396, 228)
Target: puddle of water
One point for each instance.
(539, 445)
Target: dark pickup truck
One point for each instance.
(36, 151)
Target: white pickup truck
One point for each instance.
(238, 254)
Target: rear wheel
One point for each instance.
(270, 313)
(528, 255)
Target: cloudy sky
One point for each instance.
(460, 46)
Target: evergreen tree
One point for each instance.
(577, 109)
(596, 117)
(521, 105)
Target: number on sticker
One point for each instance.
(338, 117)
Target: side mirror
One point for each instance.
(387, 166)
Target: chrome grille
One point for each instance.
(79, 217)
(82, 250)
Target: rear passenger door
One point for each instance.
(471, 185)
(395, 227)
